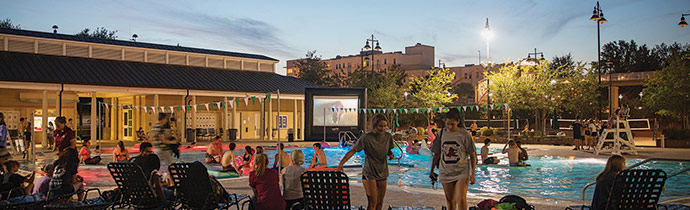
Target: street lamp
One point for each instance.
(535, 53)
(598, 17)
(406, 94)
(682, 22)
(488, 34)
(368, 47)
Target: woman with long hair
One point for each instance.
(615, 164)
(264, 183)
(377, 146)
(120, 154)
(455, 147)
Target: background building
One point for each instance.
(417, 57)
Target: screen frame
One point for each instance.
(316, 133)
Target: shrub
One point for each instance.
(486, 131)
(676, 133)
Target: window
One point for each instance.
(465, 75)
(470, 76)
(393, 60)
(477, 75)
(385, 61)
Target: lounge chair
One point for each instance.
(411, 208)
(197, 190)
(326, 190)
(136, 191)
(634, 189)
(93, 203)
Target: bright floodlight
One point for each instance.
(682, 22)
(487, 33)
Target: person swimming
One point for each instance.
(485, 153)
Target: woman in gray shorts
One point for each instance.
(377, 147)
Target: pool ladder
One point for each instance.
(645, 161)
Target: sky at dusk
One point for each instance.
(288, 29)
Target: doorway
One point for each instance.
(127, 124)
(248, 123)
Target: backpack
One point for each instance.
(520, 203)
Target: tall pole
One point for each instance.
(601, 105)
(488, 67)
(372, 52)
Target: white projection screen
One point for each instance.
(323, 110)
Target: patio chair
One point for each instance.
(326, 190)
(634, 189)
(136, 191)
(197, 190)
(411, 208)
(35, 201)
(93, 203)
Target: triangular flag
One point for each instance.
(476, 107)
(384, 110)
(184, 108)
(406, 111)
(237, 101)
(171, 109)
(137, 107)
(146, 109)
(416, 110)
(459, 109)
(471, 108)
(491, 106)
(498, 106)
(484, 106)
(253, 99)
(268, 97)
(207, 107)
(178, 108)
(218, 104)
(106, 105)
(395, 111)
(464, 108)
(246, 101)
(195, 107)
(506, 105)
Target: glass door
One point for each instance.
(127, 124)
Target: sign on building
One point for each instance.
(282, 122)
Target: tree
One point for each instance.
(99, 33)
(7, 23)
(431, 90)
(314, 70)
(563, 62)
(667, 91)
(541, 89)
(465, 92)
(628, 57)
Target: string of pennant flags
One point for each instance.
(420, 110)
(194, 107)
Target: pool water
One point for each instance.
(550, 176)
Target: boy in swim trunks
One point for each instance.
(319, 159)
(485, 154)
(513, 153)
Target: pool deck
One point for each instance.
(414, 196)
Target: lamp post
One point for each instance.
(488, 35)
(367, 47)
(535, 53)
(598, 17)
(682, 22)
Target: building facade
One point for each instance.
(111, 88)
(417, 57)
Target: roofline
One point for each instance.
(125, 43)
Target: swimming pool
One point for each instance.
(550, 176)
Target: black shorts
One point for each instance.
(588, 133)
(474, 133)
(594, 133)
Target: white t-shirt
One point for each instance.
(455, 149)
(293, 183)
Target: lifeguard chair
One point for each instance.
(616, 140)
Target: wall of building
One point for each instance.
(28, 103)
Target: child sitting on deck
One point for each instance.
(85, 155)
(228, 158)
(12, 180)
(292, 182)
(214, 153)
(319, 158)
(264, 183)
(485, 154)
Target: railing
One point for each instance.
(645, 161)
(346, 136)
(647, 125)
(632, 76)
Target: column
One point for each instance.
(183, 119)
(234, 115)
(44, 120)
(301, 122)
(270, 119)
(94, 123)
(294, 119)
(225, 119)
(57, 103)
(613, 98)
(262, 127)
(113, 119)
(155, 108)
(193, 118)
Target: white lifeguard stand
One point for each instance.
(610, 140)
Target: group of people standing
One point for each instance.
(586, 133)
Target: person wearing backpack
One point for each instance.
(456, 157)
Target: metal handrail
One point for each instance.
(643, 162)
